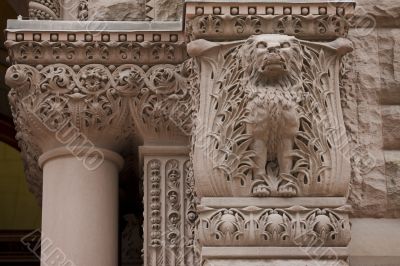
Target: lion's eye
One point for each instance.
(285, 45)
(261, 45)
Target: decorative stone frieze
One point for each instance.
(255, 226)
(106, 53)
(241, 231)
(227, 20)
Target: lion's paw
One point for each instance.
(288, 191)
(261, 190)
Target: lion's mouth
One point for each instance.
(273, 64)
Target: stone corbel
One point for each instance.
(225, 145)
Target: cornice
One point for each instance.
(158, 42)
(97, 52)
(108, 43)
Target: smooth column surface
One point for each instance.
(80, 210)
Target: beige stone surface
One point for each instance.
(168, 10)
(118, 10)
(275, 263)
(80, 210)
(386, 12)
(375, 242)
(372, 113)
(392, 169)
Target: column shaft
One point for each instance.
(80, 210)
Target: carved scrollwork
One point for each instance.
(96, 52)
(99, 103)
(254, 226)
(222, 27)
(289, 25)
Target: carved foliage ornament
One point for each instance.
(57, 102)
(254, 226)
(271, 124)
(97, 52)
(310, 27)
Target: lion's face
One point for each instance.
(270, 55)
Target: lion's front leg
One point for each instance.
(285, 160)
(285, 148)
(260, 188)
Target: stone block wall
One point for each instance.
(372, 109)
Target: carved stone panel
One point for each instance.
(270, 121)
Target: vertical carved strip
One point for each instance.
(154, 231)
(191, 257)
(173, 208)
(171, 212)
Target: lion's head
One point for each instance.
(271, 57)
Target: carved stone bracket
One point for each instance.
(270, 123)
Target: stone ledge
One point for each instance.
(319, 202)
(274, 252)
(92, 26)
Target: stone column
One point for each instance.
(80, 206)
(74, 133)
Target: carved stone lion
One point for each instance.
(272, 80)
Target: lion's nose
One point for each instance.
(272, 49)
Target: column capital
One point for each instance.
(99, 106)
